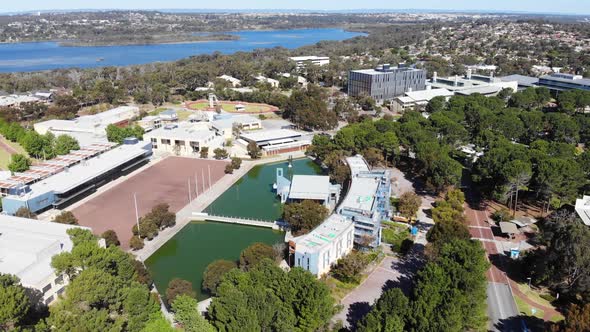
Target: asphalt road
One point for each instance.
(502, 310)
(501, 307)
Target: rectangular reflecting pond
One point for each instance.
(253, 196)
(188, 253)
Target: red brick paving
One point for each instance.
(164, 182)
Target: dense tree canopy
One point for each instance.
(214, 272)
(105, 292)
(269, 299)
(14, 303)
(563, 262)
(304, 216)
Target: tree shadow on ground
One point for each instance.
(356, 312)
(407, 267)
(521, 323)
(412, 174)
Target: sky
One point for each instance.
(537, 6)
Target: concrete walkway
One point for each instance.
(392, 272)
(185, 215)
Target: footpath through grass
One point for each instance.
(395, 234)
(534, 296)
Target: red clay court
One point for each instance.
(163, 182)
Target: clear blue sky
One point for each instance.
(561, 6)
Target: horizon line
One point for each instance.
(278, 10)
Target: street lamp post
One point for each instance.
(529, 279)
(136, 214)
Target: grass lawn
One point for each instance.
(5, 156)
(535, 296)
(4, 159)
(182, 114)
(525, 309)
(231, 107)
(340, 289)
(394, 234)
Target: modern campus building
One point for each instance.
(182, 139)
(64, 180)
(318, 250)
(367, 201)
(385, 83)
(523, 82)
(307, 187)
(472, 84)
(356, 220)
(303, 61)
(583, 209)
(223, 124)
(418, 99)
(558, 82)
(89, 129)
(26, 249)
(277, 141)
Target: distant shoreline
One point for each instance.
(227, 35)
(162, 41)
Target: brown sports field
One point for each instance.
(163, 182)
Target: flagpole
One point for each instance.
(136, 214)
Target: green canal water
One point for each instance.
(253, 197)
(187, 254)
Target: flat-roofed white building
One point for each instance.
(277, 141)
(224, 125)
(302, 61)
(65, 179)
(26, 249)
(182, 139)
(367, 201)
(471, 84)
(89, 128)
(418, 99)
(318, 250)
(583, 209)
(307, 187)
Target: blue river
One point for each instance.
(50, 55)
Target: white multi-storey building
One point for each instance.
(26, 249)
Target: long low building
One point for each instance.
(26, 249)
(367, 201)
(277, 141)
(78, 180)
(89, 128)
(418, 99)
(472, 84)
(318, 250)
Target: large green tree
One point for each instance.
(214, 273)
(19, 163)
(304, 216)
(63, 144)
(186, 312)
(14, 303)
(266, 298)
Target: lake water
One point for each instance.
(252, 196)
(49, 55)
